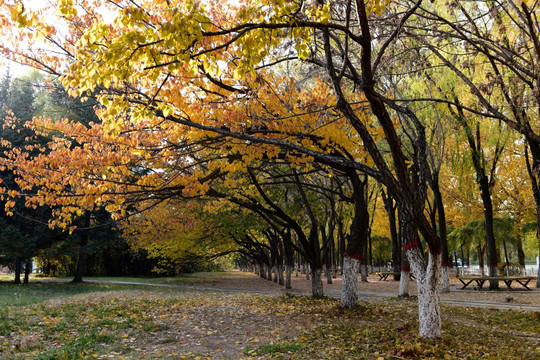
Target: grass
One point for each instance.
(12, 295)
(182, 279)
(273, 349)
(57, 320)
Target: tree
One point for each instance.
(144, 79)
(507, 47)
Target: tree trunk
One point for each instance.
(427, 280)
(437, 196)
(18, 270)
(328, 274)
(445, 279)
(288, 272)
(316, 283)
(79, 271)
(269, 272)
(396, 242)
(357, 242)
(404, 282)
(27, 270)
(480, 253)
(363, 272)
(281, 281)
(519, 248)
(262, 272)
(534, 174)
(349, 289)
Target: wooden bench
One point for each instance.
(480, 280)
(383, 275)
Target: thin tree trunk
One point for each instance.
(328, 274)
(519, 248)
(79, 271)
(396, 242)
(27, 270)
(445, 263)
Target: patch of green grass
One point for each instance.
(182, 279)
(36, 292)
(273, 349)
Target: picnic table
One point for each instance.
(480, 280)
(383, 275)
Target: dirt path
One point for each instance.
(250, 283)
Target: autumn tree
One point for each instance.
(507, 49)
(140, 62)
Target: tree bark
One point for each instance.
(288, 272)
(316, 283)
(445, 279)
(79, 271)
(437, 196)
(328, 274)
(27, 271)
(404, 278)
(357, 242)
(396, 243)
(349, 290)
(427, 280)
(281, 281)
(18, 270)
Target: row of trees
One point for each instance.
(277, 116)
(96, 247)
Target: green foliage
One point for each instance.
(382, 249)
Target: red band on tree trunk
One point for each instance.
(410, 245)
(406, 269)
(353, 256)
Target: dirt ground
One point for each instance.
(192, 322)
(248, 281)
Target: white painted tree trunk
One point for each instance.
(316, 283)
(288, 273)
(349, 287)
(404, 283)
(428, 282)
(308, 270)
(445, 277)
(275, 273)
